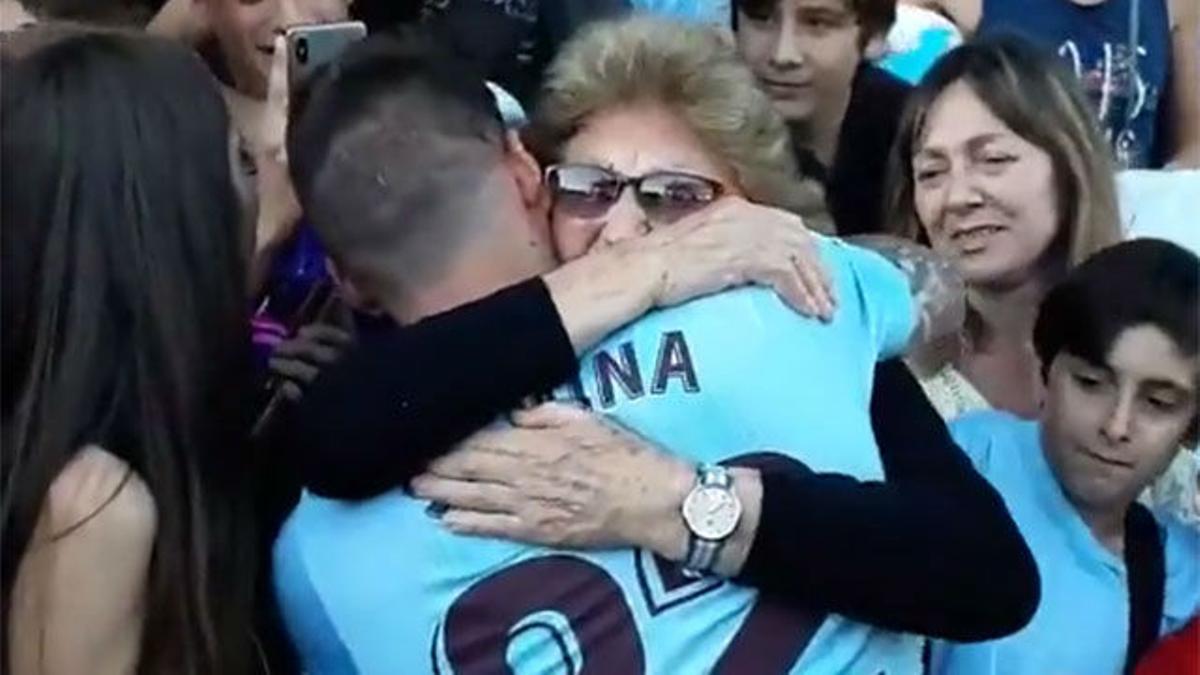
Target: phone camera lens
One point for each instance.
(302, 50)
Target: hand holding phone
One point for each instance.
(297, 55)
(278, 208)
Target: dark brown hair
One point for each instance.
(1135, 283)
(125, 322)
(875, 17)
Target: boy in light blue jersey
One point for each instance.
(1118, 344)
(381, 587)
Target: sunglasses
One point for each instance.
(589, 191)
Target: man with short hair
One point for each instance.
(419, 171)
(813, 58)
(425, 203)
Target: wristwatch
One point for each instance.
(711, 512)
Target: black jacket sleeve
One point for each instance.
(931, 550)
(402, 397)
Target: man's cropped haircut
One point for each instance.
(384, 144)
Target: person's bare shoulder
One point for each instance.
(78, 597)
(99, 492)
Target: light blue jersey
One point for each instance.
(711, 12)
(1082, 623)
(379, 587)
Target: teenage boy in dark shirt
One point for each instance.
(813, 58)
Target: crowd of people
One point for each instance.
(604, 336)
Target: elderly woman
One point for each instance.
(649, 125)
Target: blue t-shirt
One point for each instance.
(1081, 626)
(379, 587)
(711, 12)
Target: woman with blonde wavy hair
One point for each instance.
(648, 68)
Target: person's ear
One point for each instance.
(351, 293)
(526, 172)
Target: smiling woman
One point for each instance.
(999, 167)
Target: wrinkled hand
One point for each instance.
(560, 477)
(298, 361)
(735, 242)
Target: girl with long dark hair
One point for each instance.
(128, 542)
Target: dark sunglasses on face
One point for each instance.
(589, 191)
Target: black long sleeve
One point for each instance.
(407, 395)
(931, 550)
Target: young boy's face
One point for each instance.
(1111, 429)
(804, 52)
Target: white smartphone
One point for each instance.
(312, 46)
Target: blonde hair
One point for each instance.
(1031, 93)
(693, 70)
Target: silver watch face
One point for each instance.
(712, 512)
